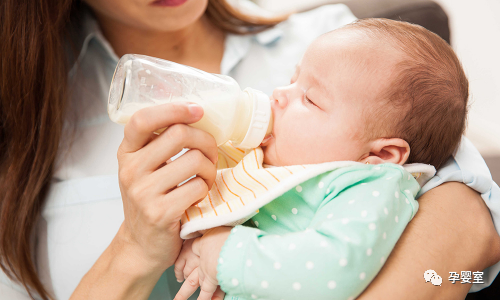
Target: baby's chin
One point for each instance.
(268, 156)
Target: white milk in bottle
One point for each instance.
(244, 117)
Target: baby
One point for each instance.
(360, 99)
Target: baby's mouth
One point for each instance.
(266, 139)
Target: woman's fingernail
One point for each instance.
(195, 109)
(180, 281)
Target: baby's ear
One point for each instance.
(394, 150)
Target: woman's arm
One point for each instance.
(452, 232)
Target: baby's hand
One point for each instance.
(186, 262)
(207, 248)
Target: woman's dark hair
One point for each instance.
(33, 101)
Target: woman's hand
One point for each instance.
(148, 241)
(152, 201)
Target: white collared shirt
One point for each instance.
(83, 210)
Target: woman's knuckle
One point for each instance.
(135, 192)
(125, 177)
(196, 158)
(151, 215)
(177, 132)
(199, 186)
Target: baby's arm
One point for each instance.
(345, 246)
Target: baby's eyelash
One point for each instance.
(308, 100)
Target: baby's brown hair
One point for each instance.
(430, 88)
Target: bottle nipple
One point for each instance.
(261, 120)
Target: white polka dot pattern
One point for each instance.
(309, 265)
(331, 284)
(343, 262)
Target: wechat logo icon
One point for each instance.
(433, 277)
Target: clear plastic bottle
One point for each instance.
(244, 117)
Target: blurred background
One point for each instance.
(475, 37)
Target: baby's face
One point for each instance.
(321, 115)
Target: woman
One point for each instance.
(65, 171)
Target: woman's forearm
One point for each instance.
(452, 232)
(119, 273)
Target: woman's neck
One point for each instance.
(200, 45)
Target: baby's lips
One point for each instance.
(266, 139)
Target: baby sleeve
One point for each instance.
(349, 222)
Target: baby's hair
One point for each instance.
(430, 90)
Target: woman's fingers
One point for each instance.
(193, 162)
(142, 124)
(189, 286)
(181, 198)
(172, 141)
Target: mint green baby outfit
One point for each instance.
(325, 239)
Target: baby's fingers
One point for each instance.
(219, 294)
(189, 286)
(180, 263)
(207, 290)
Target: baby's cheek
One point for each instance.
(298, 148)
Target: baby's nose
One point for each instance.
(280, 96)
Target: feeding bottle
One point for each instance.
(243, 117)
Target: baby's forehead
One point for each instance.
(353, 54)
(355, 43)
